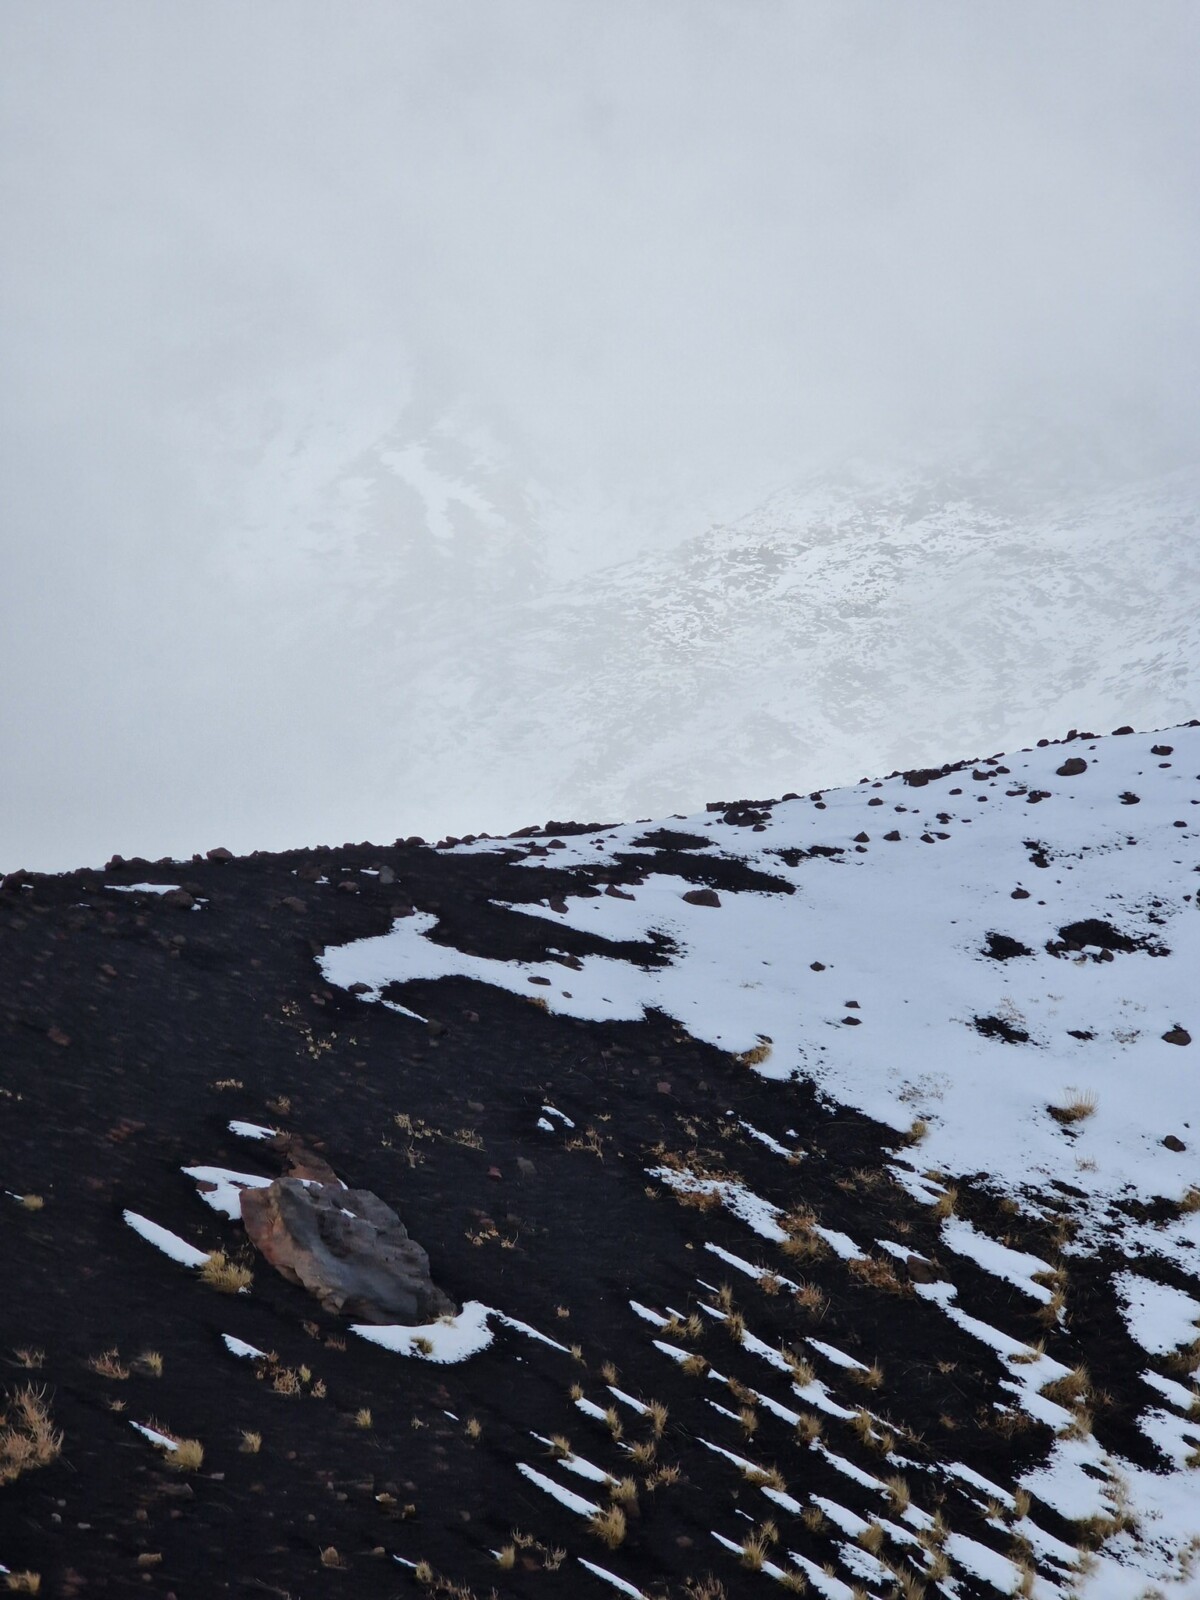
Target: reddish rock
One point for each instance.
(702, 897)
(219, 854)
(347, 1248)
(179, 898)
(1177, 1036)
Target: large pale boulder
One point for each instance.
(346, 1247)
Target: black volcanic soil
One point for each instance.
(132, 1031)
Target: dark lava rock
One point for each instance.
(1019, 894)
(346, 1247)
(702, 897)
(1174, 1142)
(1162, 749)
(893, 837)
(1177, 1036)
(1128, 798)
(998, 1028)
(293, 903)
(1001, 948)
(219, 854)
(1072, 767)
(179, 898)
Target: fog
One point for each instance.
(637, 264)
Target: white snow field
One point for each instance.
(1068, 1056)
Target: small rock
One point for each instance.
(347, 886)
(386, 875)
(359, 988)
(1177, 1036)
(179, 898)
(293, 903)
(58, 1037)
(1072, 767)
(1174, 1142)
(920, 1270)
(702, 897)
(617, 894)
(1019, 894)
(494, 1172)
(663, 1086)
(893, 837)
(219, 854)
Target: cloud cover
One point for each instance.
(667, 252)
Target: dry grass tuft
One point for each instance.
(608, 1372)
(609, 1526)
(32, 1202)
(808, 1429)
(506, 1557)
(766, 1478)
(800, 1369)
(871, 1537)
(695, 1366)
(474, 1428)
(945, 1203)
(362, 1417)
(31, 1360)
(754, 1552)
(109, 1365)
(749, 1421)
(613, 1421)
(735, 1326)
(560, 1447)
(1026, 1358)
(251, 1442)
(1070, 1389)
(24, 1582)
(898, 1493)
(187, 1456)
(1186, 1359)
(1077, 1109)
(1191, 1200)
(28, 1438)
(150, 1361)
(812, 1298)
(878, 1273)
(755, 1055)
(331, 1558)
(643, 1455)
(657, 1412)
(224, 1275)
(663, 1475)
(624, 1491)
(1053, 1309)
(868, 1377)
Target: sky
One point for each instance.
(656, 254)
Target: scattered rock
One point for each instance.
(1177, 1036)
(179, 898)
(293, 903)
(1072, 767)
(1174, 1142)
(920, 1270)
(1019, 894)
(702, 897)
(1162, 749)
(1000, 1028)
(219, 854)
(618, 894)
(347, 1248)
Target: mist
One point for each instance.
(634, 266)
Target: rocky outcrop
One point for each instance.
(346, 1247)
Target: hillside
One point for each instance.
(817, 1179)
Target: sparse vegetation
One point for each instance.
(187, 1456)
(944, 1205)
(609, 1526)
(151, 1362)
(251, 1442)
(109, 1365)
(224, 1275)
(28, 1437)
(657, 1415)
(1077, 1109)
(362, 1417)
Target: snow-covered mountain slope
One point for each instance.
(857, 621)
(999, 961)
(839, 629)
